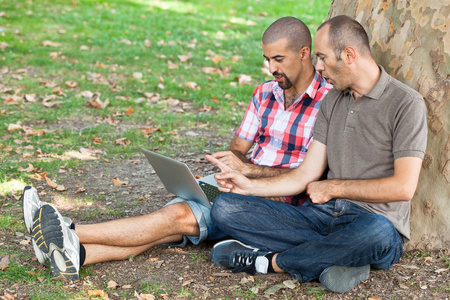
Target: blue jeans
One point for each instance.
(310, 238)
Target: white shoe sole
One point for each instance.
(57, 241)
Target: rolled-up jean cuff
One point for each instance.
(208, 231)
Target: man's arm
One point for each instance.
(400, 187)
(293, 182)
(236, 159)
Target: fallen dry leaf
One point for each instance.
(35, 132)
(97, 140)
(147, 131)
(50, 44)
(171, 65)
(187, 282)
(244, 79)
(12, 127)
(205, 108)
(96, 293)
(144, 296)
(7, 296)
(117, 182)
(80, 190)
(129, 111)
(86, 94)
(236, 58)
(54, 185)
(25, 242)
(217, 58)
(10, 101)
(71, 84)
(30, 97)
(123, 40)
(29, 169)
(112, 284)
(122, 141)
(4, 263)
(3, 45)
(127, 286)
(184, 58)
(171, 102)
(152, 96)
(190, 84)
(41, 175)
(137, 75)
(97, 103)
(428, 258)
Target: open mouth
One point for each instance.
(278, 78)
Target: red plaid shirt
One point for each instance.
(281, 137)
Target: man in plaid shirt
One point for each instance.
(279, 121)
(280, 117)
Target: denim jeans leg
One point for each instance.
(268, 225)
(369, 239)
(310, 238)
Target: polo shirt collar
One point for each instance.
(380, 86)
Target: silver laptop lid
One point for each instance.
(176, 177)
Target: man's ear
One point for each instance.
(349, 54)
(305, 53)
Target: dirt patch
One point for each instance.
(188, 273)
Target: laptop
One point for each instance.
(179, 180)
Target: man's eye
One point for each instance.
(278, 59)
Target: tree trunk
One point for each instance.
(410, 39)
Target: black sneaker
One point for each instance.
(59, 243)
(232, 254)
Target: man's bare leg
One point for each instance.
(100, 253)
(172, 220)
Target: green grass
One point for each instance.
(99, 45)
(155, 288)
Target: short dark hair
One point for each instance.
(293, 29)
(345, 31)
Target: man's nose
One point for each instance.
(319, 65)
(273, 67)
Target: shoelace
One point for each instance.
(245, 262)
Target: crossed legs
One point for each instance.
(310, 239)
(122, 238)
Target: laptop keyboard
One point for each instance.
(210, 191)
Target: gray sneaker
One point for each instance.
(342, 279)
(31, 204)
(54, 238)
(232, 254)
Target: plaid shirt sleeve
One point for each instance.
(250, 123)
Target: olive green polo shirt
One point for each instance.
(365, 135)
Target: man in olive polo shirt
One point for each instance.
(371, 132)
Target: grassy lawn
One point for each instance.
(82, 77)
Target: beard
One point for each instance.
(286, 83)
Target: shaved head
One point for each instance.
(294, 30)
(345, 31)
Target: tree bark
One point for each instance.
(410, 39)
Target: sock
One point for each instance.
(82, 255)
(269, 257)
(261, 264)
